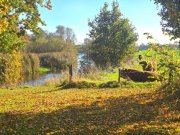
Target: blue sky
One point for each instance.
(75, 14)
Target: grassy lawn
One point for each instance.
(51, 110)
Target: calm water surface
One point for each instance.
(40, 79)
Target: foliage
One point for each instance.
(169, 13)
(79, 85)
(54, 51)
(167, 59)
(65, 33)
(17, 16)
(53, 61)
(45, 42)
(112, 36)
(9, 42)
(31, 63)
(80, 48)
(143, 47)
(11, 69)
(57, 61)
(50, 110)
(110, 84)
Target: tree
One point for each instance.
(65, 33)
(70, 36)
(17, 16)
(111, 35)
(60, 30)
(170, 14)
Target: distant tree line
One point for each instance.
(55, 50)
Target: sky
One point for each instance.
(75, 14)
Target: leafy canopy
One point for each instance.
(112, 35)
(17, 16)
(166, 57)
(170, 15)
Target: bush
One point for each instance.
(79, 85)
(69, 85)
(110, 84)
(11, 68)
(167, 58)
(85, 84)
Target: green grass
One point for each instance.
(51, 110)
(44, 70)
(110, 76)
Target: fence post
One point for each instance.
(119, 75)
(70, 73)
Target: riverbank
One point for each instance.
(52, 110)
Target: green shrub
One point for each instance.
(130, 84)
(167, 58)
(110, 84)
(79, 85)
(69, 85)
(85, 84)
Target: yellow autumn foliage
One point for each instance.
(11, 69)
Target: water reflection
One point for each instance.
(32, 76)
(39, 79)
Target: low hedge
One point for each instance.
(79, 85)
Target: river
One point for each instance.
(40, 79)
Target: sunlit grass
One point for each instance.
(44, 70)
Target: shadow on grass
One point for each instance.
(101, 117)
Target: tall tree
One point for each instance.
(60, 30)
(112, 35)
(17, 16)
(70, 36)
(170, 16)
(65, 33)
